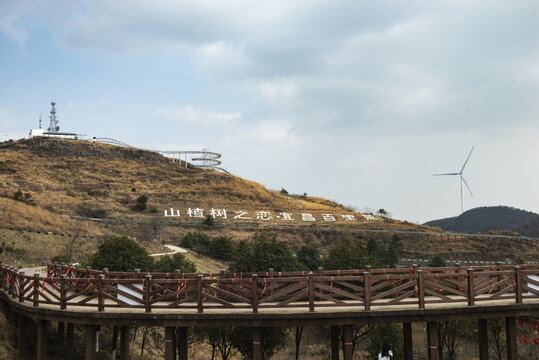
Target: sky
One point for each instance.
(355, 101)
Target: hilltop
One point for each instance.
(141, 193)
(492, 219)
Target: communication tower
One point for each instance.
(53, 125)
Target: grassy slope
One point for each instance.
(77, 177)
(83, 178)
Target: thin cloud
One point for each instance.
(194, 115)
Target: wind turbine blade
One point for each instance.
(445, 174)
(468, 158)
(465, 183)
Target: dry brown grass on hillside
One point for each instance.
(14, 214)
(95, 180)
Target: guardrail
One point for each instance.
(69, 287)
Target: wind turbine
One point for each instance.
(462, 180)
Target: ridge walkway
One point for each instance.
(89, 297)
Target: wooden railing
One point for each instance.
(67, 287)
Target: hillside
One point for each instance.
(490, 220)
(102, 187)
(102, 181)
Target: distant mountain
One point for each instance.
(492, 219)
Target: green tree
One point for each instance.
(309, 256)
(382, 212)
(170, 263)
(222, 248)
(347, 256)
(262, 253)
(120, 253)
(372, 247)
(196, 241)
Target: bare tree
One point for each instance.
(74, 247)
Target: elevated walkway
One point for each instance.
(275, 299)
(203, 159)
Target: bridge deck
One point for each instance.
(291, 316)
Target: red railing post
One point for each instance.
(200, 300)
(518, 284)
(63, 291)
(147, 286)
(470, 286)
(367, 289)
(310, 285)
(420, 288)
(21, 286)
(254, 284)
(36, 289)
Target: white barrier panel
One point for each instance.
(534, 287)
(130, 292)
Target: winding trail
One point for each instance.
(174, 250)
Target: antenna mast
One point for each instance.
(54, 124)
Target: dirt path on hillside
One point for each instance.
(174, 250)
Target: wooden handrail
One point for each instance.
(261, 290)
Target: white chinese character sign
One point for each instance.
(266, 215)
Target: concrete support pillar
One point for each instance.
(170, 343)
(61, 332)
(347, 342)
(432, 340)
(124, 343)
(91, 342)
(183, 343)
(70, 341)
(483, 339)
(408, 344)
(21, 334)
(42, 327)
(511, 337)
(257, 344)
(334, 342)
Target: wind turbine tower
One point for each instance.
(462, 180)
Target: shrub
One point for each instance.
(170, 263)
(142, 201)
(24, 198)
(437, 261)
(208, 221)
